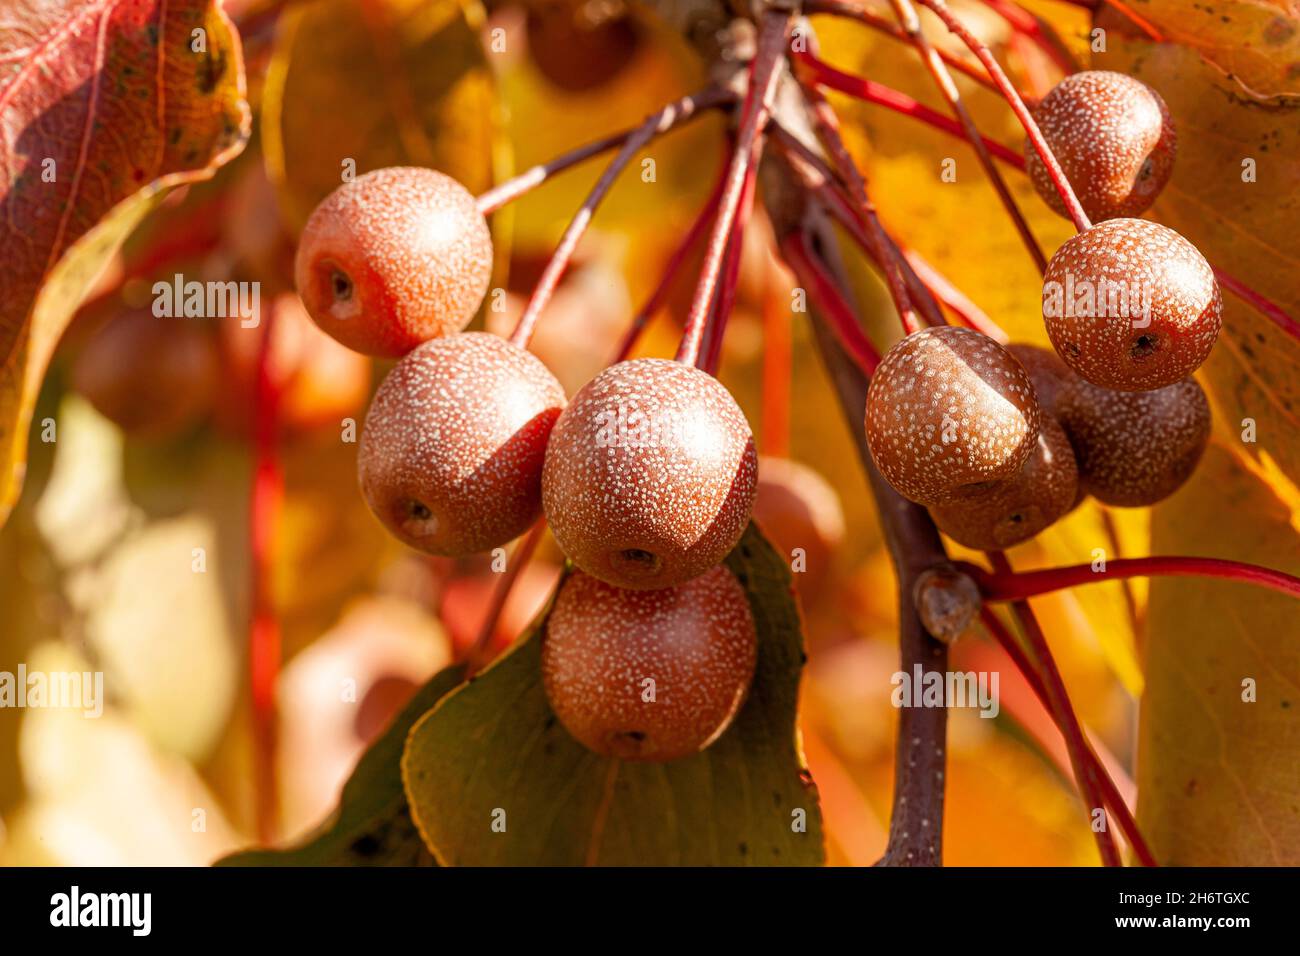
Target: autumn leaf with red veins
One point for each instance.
(105, 106)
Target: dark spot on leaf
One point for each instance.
(174, 136)
(743, 848)
(366, 845)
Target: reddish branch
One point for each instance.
(478, 651)
(1006, 585)
(967, 312)
(264, 631)
(1085, 773)
(1008, 90)
(726, 295)
(765, 73)
(675, 261)
(830, 302)
(1270, 309)
(828, 130)
(911, 23)
(853, 11)
(1127, 824)
(1030, 26)
(870, 91)
(512, 189)
(670, 116)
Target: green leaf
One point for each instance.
(372, 825)
(494, 745)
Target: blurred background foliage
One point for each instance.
(96, 561)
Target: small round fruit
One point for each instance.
(797, 508)
(696, 642)
(394, 258)
(1114, 140)
(152, 377)
(650, 474)
(1045, 369)
(1131, 305)
(451, 454)
(949, 413)
(581, 46)
(1018, 509)
(1135, 448)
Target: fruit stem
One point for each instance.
(1005, 585)
(828, 130)
(1008, 90)
(826, 296)
(968, 313)
(264, 629)
(668, 117)
(675, 261)
(764, 75)
(777, 362)
(531, 178)
(1127, 824)
(911, 24)
(1085, 773)
(916, 820)
(477, 656)
(711, 354)
(1270, 309)
(1028, 25)
(850, 10)
(820, 180)
(870, 91)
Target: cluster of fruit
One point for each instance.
(647, 477)
(1001, 442)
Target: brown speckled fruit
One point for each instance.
(949, 412)
(1045, 369)
(151, 376)
(394, 258)
(1016, 510)
(649, 675)
(1135, 448)
(650, 474)
(1131, 305)
(1114, 140)
(452, 450)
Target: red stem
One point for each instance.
(825, 294)
(1270, 309)
(1008, 90)
(475, 656)
(529, 179)
(1005, 585)
(1127, 824)
(872, 92)
(911, 23)
(828, 130)
(851, 11)
(1028, 25)
(675, 261)
(969, 314)
(777, 358)
(763, 80)
(671, 115)
(1085, 773)
(264, 631)
(726, 296)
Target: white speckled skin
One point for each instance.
(414, 248)
(696, 642)
(1135, 448)
(650, 474)
(1114, 140)
(1013, 511)
(459, 429)
(952, 382)
(1185, 306)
